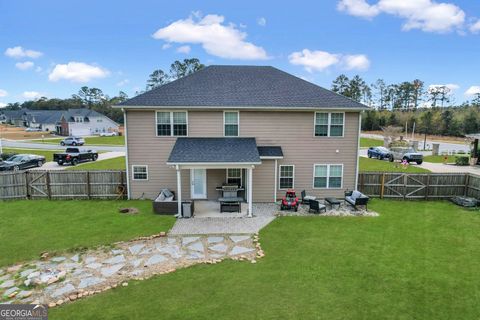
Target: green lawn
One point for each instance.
(115, 140)
(418, 260)
(367, 164)
(108, 164)
(48, 154)
(369, 142)
(439, 159)
(30, 227)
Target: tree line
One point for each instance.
(96, 99)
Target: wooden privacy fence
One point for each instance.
(419, 185)
(63, 185)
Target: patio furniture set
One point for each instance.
(353, 198)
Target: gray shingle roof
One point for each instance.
(270, 151)
(214, 150)
(242, 86)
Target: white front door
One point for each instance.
(198, 183)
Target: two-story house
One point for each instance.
(255, 126)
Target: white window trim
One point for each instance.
(238, 122)
(328, 175)
(279, 176)
(328, 124)
(171, 122)
(139, 166)
(241, 175)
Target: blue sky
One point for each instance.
(52, 48)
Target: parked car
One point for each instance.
(379, 153)
(72, 141)
(108, 134)
(407, 154)
(21, 162)
(33, 130)
(74, 156)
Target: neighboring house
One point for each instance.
(255, 126)
(14, 117)
(46, 120)
(85, 122)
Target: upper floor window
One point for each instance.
(329, 124)
(78, 119)
(231, 121)
(287, 176)
(234, 176)
(172, 123)
(327, 175)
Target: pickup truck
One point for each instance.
(74, 156)
(407, 154)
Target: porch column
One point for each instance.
(179, 189)
(250, 198)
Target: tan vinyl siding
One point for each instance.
(293, 131)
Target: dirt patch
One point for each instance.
(18, 133)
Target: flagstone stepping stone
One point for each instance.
(239, 250)
(33, 275)
(198, 246)
(187, 240)
(216, 255)
(5, 277)
(25, 273)
(10, 291)
(24, 294)
(138, 272)
(75, 258)
(221, 247)
(58, 259)
(171, 241)
(7, 284)
(115, 260)
(91, 281)
(72, 265)
(155, 259)
(110, 271)
(136, 248)
(174, 252)
(94, 265)
(146, 251)
(117, 251)
(195, 255)
(239, 238)
(214, 239)
(136, 263)
(90, 259)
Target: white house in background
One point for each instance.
(85, 122)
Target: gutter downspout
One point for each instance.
(129, 192)
(275, 182)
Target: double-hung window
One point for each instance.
(327, 176)
(329, 124)
(287, 176)
(234, 176)
(172, 123)
(231, 121)
(140, 172)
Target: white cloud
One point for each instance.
(3, 93)
(122, 83)
(218, 39)
(475, 27)
(473, 90)
(166, 46)
(32, 95)
(262, 21)
(184, 49)
(425, 15)
(24, 65)
(19, 52)
(3, 105)
(322, 60)
(77, 72)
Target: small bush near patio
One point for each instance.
(417, 260)
(369, 165)
(29, 227)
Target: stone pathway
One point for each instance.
(61, 279)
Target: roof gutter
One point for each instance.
(261, 108)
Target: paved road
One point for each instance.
(46, 146)
(102, 156)
(444, 146)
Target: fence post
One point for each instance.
(89, 192)
(427, 186)
(382, 190)
(467, 182)
(27, 186)
(405, 186)
(47, 182)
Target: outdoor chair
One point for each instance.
(356, 198)
(316, 207)
(306, 199)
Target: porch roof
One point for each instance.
(210, 151)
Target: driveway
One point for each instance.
(46, 146)
(102, 156)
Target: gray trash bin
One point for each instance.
(187, 209)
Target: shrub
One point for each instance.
(6, 155)
(399, 143)
(462, 160)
